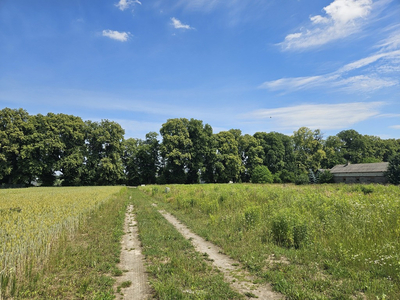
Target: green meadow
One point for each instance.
(310, 242)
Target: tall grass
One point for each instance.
(341, 241)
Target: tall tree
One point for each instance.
(228, 164)
(103, 163)
(308, 147)
(354, 145)
(46, 147)
(200, 136)
(141, 159)
(15, 128)
(71, 130)
(251, 154)
(175, 149)
(274, 150)
(334, 148)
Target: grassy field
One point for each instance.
(50, 243)
(310, 242)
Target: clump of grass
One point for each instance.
(126, 284)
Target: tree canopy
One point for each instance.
(45, 149)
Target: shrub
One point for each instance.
(325, 177)
(277, 178)
(302, 179)
(261, 174)
(287, 176)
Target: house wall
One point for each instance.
(359, 178)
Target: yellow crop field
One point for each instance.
(32, 218)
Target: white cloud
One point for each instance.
(321, 116)
(294, 83)
(395, 126)
(125, 4)
(342, 18)
(380, 65)
(369, 60)
(363, 83)
(178, 24)
(392, 42)
(116, 35)
(345, 11)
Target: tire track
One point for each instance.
(239, 279)
(132, 263)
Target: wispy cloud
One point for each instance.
(125, 4)
(321, 116)
(373, 72)
(395, 126)
(178, 24)
(116, 35)
(341, 19)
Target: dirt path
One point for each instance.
(132, 263)
(239, 279)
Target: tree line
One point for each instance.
(63, 149)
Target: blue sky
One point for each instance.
(260, 65)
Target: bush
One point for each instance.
(325, 177)
(261, 174)
(277, 178)
(302, 179)
(287, 176)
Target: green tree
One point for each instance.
(15, 128)
(393, 172)
(228, 164)
(308, 147)
(132, 176)
(261, 174)
(103, 157)
(175, 149)
(354, 148)
(200, 136)
(141, 160)
(274, 150)
(251, 154)
(71, 130)
(45, 147)
(333, 147)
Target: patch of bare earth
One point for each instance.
(239, 279)
(132, 263)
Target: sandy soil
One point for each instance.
(132, 263)
(239, 279)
